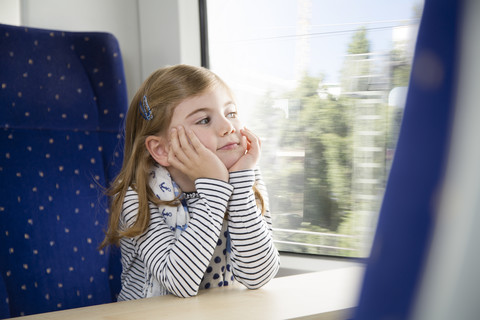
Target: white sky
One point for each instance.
(257, 45)
(261, 34)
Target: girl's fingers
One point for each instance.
(189, 155)
(251, 136)
(172, 159)
(252, 139)
(245, 144)
(173, 140)
(194, 141)
(186, 146)
(177, 145)
(182, 137)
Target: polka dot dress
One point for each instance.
(219, 271)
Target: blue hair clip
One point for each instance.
(145, 109)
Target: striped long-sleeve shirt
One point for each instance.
(184, 265)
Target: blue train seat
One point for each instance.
(62, 106)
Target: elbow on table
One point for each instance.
(254, 285)
(258, 282)
(183, 293)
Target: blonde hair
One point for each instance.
(164, 90)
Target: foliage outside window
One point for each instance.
(327, 146)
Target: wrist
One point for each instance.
(242, 178)
(182, 180)
(190, 195)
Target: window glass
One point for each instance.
(323, 84)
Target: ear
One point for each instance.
(157, 147)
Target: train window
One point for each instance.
(323, 83)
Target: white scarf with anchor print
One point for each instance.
(176, 218)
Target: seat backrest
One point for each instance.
(4, 309)
(407, 217)
(62, 105)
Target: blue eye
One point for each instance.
(232, 114)
(204, 121)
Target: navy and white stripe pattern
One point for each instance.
(254, 257)
(181, 264)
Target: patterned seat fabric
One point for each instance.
(62, 104)
(4, 309)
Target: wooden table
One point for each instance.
(330, 294)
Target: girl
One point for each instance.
(184, 206)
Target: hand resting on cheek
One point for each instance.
(188, 155)
(252, 145)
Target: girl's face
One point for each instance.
(213, 118)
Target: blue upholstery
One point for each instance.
(405, 223)
(4, 309)
(62, 105)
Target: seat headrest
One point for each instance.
(60, 80)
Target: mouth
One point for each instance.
(229, 146)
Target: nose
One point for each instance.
(225, 127)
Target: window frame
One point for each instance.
(205, 58)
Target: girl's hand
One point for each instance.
(188, 155)
(252, 146)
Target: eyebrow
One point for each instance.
(196, 111)
(206, 109)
